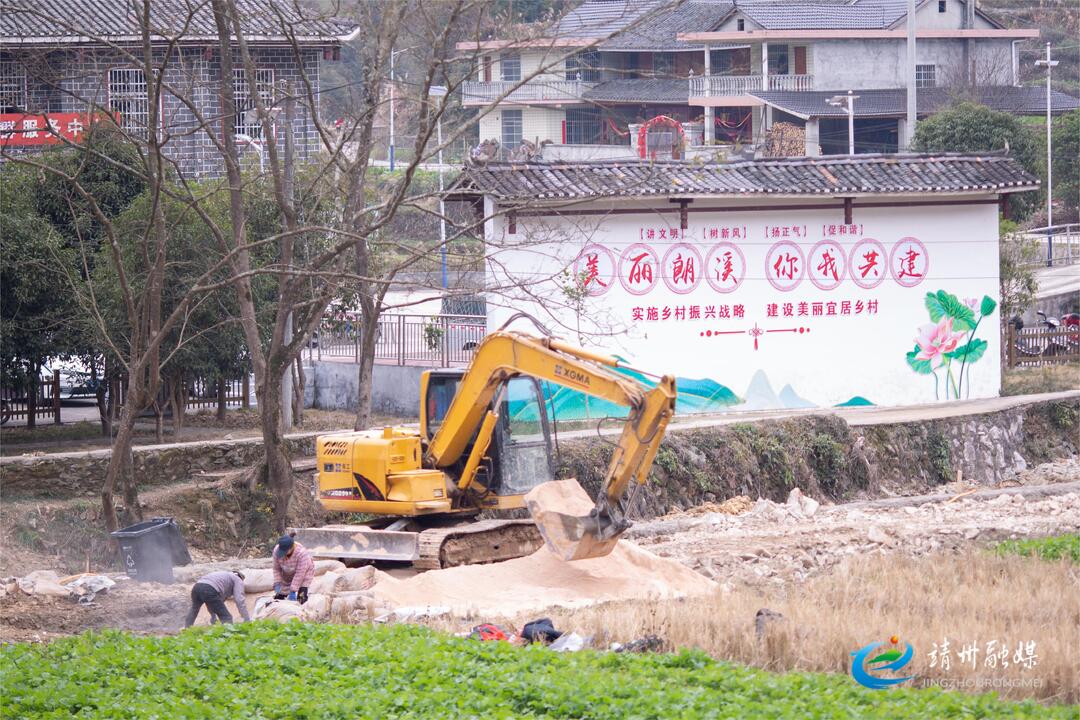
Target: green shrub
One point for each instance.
(301, 671)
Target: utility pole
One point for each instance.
(288, 183)
(393, 54)
(440, 91)
(912, 107)
(1049, 65)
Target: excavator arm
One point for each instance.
(504, 355)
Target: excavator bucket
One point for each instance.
(571, 525)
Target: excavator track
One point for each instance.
(478, 542)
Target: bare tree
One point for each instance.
(336, 215)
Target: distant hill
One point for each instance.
(1059, 24)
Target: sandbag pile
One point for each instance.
(341, 595)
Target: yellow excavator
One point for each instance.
(483, 442)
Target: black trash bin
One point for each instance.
(150, 549)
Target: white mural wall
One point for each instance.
(768, 309)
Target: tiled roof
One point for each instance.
(825, 15)
(512, 183)
(55, 21)
(652, 90)
(599, 18)
(660, 31)
(656, 27)
(893, 102)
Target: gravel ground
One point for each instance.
(777, 543)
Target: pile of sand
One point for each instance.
(542, 580)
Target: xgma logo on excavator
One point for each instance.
(572, 375)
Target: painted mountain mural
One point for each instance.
(790, 399)
(694, 396)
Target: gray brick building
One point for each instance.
(64, 57)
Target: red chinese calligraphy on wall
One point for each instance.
(868, 261)
(908, 262)
(826, 265)
(725, 267)
(21, 130)
(682, 268)
(639, 269)
(785, 265)
(595, 269)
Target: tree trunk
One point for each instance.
(279, 477)
(221, 401)
(298, 390)
(121, 464)
(368, 330)
(31, 396)
(101, 396)
(159, 422)
(175, 389)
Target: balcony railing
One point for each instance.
(719, 85)
(538, 90)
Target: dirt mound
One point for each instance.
(542, 580)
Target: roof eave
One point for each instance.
(52, 41)
(838, 193)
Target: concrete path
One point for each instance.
(853, 416)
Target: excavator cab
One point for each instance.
(521, 454)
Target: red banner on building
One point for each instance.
(23, 130)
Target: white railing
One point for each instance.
(791, 82)
(429, 340)
(1060, 245)
(538, 90)
(719, 85)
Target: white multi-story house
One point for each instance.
(727, 70)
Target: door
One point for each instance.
(800, 60)
(523, 453)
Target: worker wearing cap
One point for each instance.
(294, 570)
(211, 590)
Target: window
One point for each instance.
(511, 129)
(778, 60)
(583, 127)
(584, 66)
(740, 24)
(12, 87)
(247, 118)
(925, 76)
(510, 67)
(128, 98)
(942, 7)
(663, 64)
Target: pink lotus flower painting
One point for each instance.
(946, 347)
(935, 340)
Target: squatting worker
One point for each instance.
(211, 590)
(294, 570)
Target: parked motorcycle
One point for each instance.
(1056, 345)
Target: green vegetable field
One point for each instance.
(300, 671)
(1055, 547)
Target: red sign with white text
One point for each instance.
(22, 130)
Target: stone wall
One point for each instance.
(81, 473)
(829, 459)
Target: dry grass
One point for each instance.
(975, 597)
(1049, 378)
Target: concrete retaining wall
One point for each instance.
(334, 386)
